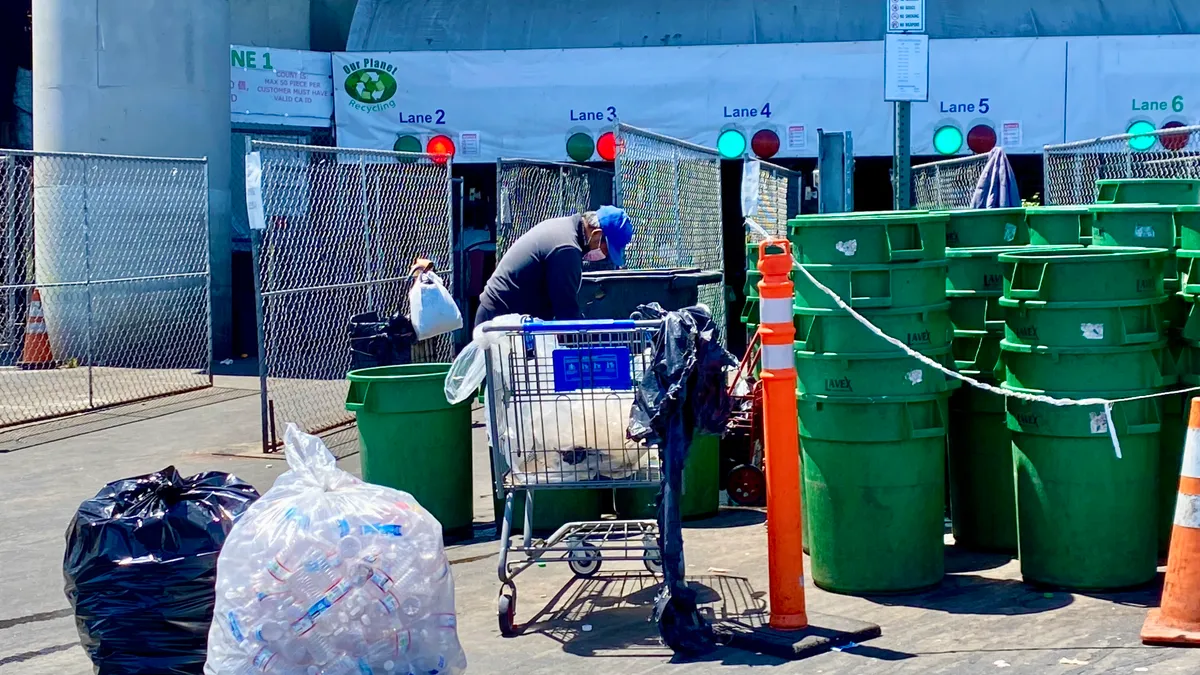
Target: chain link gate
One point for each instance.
(947, 184)
(778, 197)
(671, 189)
(341, 231)
(1072, 169)
(108, 258)
(530, 191)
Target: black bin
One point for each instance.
(615, 294)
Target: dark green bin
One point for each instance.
(874, 477)
(980, 466)
(1084, 324)
(701, 496)
(1187, 222)
(976, 311)
(834, 330)
(1093, 274)
(1086, 519)
(1082, 371)
(975, 228)
(1140, 225)
(434, 465)
(907, 286)
(875, 374)
(1058, 225)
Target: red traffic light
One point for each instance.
(764, 143)
(1176, 141)
(981, 138)
(606, 146)
(441, 147)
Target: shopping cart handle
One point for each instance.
(539, 326)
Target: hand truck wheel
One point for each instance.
(746, 485)
(584, 559)
(506, 610)
(652, 556)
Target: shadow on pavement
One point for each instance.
(959, 560)
(971, 594)
(729, 516)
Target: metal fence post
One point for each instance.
(10, 248)
(208, 273)
(87, 278)
(369, 263)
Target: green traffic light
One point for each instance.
(731, 144)
(947, 140)
(1141, 130)
(580, 147)
(407, 144)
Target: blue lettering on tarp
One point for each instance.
(592, 368)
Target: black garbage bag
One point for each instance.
(380, 343)
(683, 392)
(140, 569)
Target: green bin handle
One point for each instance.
(929, 432)
(1027, 293)
(808, 339)
(1166, 368)
(868, 302)
(1128, 338)
(905, 254)
(1146, 428)
(1108, 193)
(1193, 277)
(356, 396)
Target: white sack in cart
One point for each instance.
(326, 574)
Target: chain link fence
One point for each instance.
(672, 191)
(341, 231)
(104, 281)
(947, 184)
(530, 191)
(1072, 169)
(778, 197)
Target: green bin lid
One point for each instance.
(1077, 254)
(839, 219)
(976, 213)
(1188, 208)
(1132, 208)
(992, 251)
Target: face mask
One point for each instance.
(594, 255)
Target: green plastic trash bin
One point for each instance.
(1144, 225)
(974, 228)
(980, 465)
(1058, 225)
(411, 439)
(1148, 191)
(1086, 519)
(701, 496)
(976, 311)
(907, 286)
(891, 373)
(868, 237)
(1082, 371)
(1092, 274)
(1085, 324)
(922, 328)
(554, 508)
(874, 491)
(1187, 222)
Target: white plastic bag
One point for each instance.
(327, 574)
(470, 367)
(431, 308)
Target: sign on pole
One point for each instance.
(905, 16)
(905, 67)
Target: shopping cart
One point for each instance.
(559, 397)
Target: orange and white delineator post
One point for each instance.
(781, 438)
(1177, 619)
(36, 354)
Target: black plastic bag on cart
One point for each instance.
(682, 392)
(140, 569)
(380, 343)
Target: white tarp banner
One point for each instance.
(280, 87)
(527, 103)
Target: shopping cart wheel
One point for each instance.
(506, 610)
(584, 559)
(746, 485)
(652, 556)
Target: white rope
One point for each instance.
(1107, 404)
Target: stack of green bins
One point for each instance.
(1058, 225)
(753, 276)
(1152, 212)
(1186, 335)
(979, 459)
(1086, 323)
(872, 418)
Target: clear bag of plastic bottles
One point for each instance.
(328, 575)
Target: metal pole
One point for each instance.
(902, 157)
(256, 253)
(686, 255)
(208, 272)
(87, 278)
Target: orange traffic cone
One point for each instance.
(1177, 620)
(36, 355)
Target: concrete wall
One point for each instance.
(132, 77)
(415, 25)
(283, 24)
